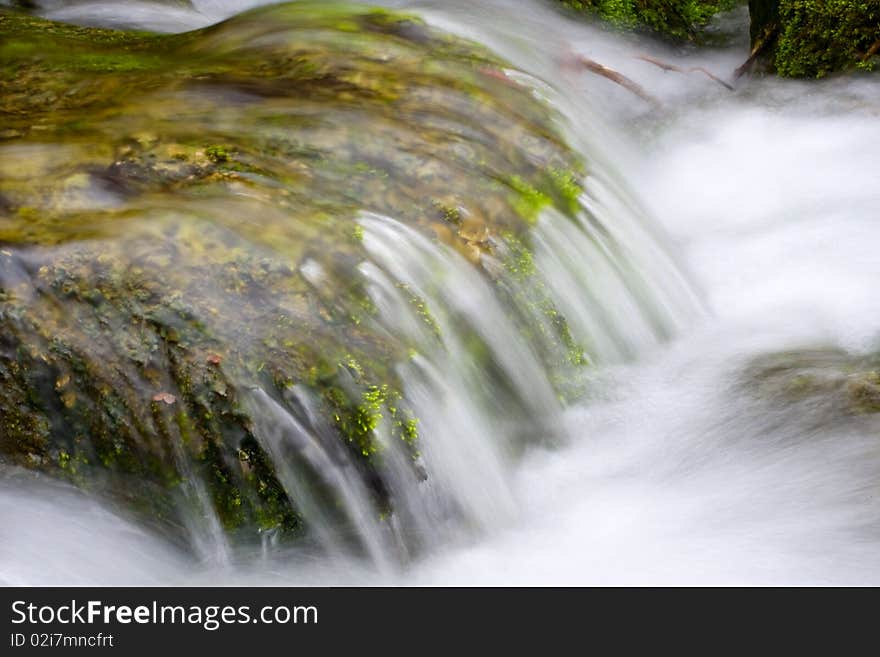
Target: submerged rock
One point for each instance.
(827, 385)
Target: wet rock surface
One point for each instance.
(179, 231)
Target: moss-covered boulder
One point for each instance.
(676, 19)
(812, 38)
(181, 250)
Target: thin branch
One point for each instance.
(661, 64)
(579, 61)
(712, 76)
(678, 69)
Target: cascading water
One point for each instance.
(561, 437)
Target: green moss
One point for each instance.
(226, 496)
(527, 201)
(447, 213)
(271, 507)
(358, 416)
(218, 154)
(357, 422)
(409, 430)
(568, 188)
(818, 37)
(518, 261)
(814, 38)
(421, 308)
(546, 326)
(679, 19)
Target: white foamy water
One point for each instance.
(766, 197)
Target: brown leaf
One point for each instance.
(166, 397)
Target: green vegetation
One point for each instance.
(543, 323)
(677, 19)
(812, 38)
(793, 38)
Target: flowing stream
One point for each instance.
(720, 229)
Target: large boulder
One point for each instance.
(183, 307)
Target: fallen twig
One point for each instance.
(579, 61)
(678, 69)
(661, 64)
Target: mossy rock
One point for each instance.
(682, 20)
(165, 202)
(814, 38)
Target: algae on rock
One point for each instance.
(178, 229)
